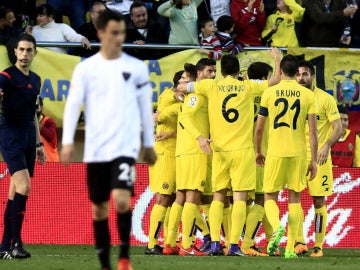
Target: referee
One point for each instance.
(20, 143)
(111, 85)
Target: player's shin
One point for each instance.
(102, 242)
(253, 222)
(157, 217)
(294, 219)
(320, 226)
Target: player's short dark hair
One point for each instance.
(203, 21)
(177, 77)
(25, 37)
(343, 110)
(230, 65)
(4, 11)
(96, 3)
(259, 70)
(224, 23)
(137, 4)
(308, 65)
(203, 63)
(190, 69)
(45, 9)
(106, 16)
(289, 65)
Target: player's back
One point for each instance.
(288, 105)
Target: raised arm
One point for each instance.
(276, 55)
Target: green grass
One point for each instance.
(81, 257)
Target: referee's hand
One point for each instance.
(40, 155)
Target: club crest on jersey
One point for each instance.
(350, 146)
(193, 101)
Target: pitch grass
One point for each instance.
(82, 257)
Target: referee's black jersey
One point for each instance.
(19, 96)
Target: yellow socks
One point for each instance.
(157, 217)
(272, 213)
(253, 222)
(226, 225)
(320, 226)
(173, 225)
(267, 227)
(216, 218)
(293, 226)
(238, 218)
(206, 211)
(166, 222)
(300, 232)
(188, 223)
(201, 223)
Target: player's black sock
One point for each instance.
(17, 215)
(7, 234)
(102, 242)
(124, 227)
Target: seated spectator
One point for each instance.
(279, 30)
(141, 30)
(324, 22)
(207, 37)
(225, 26)
(355, 27)
(214, 9)
(183, 20)
(250, 18)
(89, 31)
(7, 29)
(48, 30)
(346, 151)
(48, 134)
(75, 10)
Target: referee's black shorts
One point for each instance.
(102, 177)
(18, 147)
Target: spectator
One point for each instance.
(48, 134)
(183, 20)
(48, 30)
(207, 37)
(88, 30)
(249, 19)
(74, 9)
(7, 29)
(346, 151)
(279, 30)
(355, 27)
(225, 25)
(214, 9)
(141, 30)
(324, 22)
(270, 7)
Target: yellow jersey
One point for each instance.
(168, 107)
(327, 112)
(231, 110)
(287, 106)
(193, 122)
(257, 101)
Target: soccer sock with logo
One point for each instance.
(253, 222)
(238, 218)
(300, 232)
(102, 242)
(124, 226)
(7, 233)
(272, 212)
(293, 226)
(320, 226)
(215, 218)
(188, 223)
(226, 225)
(200, 223)
(173, 224)
(157, 217)
(17, 216)
(267, 227)
(166, 222)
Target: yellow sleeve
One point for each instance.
(192, 104)
(332, 111)
(312, 108)
(204, 86)
(269, 23)
(257, 87)
(357, 152)
(297, 10)
(169, 112)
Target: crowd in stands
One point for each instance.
(281, 23)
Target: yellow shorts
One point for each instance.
(191, 172)
(259, 180)
(281, 171)
(234, 170)
(162, 175)
(322, 184)
(208, 188)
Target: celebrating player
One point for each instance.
(118, 85)
(20, 143)
(287, 105)
(329, 130)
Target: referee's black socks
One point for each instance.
(17, 215)
(124, 227)
(7, 234)
(102, 242)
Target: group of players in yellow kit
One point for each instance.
(205, 147)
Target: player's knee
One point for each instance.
(23, 188)
(163, 200)
(319, 202)
(100, 210)
(122, 206)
